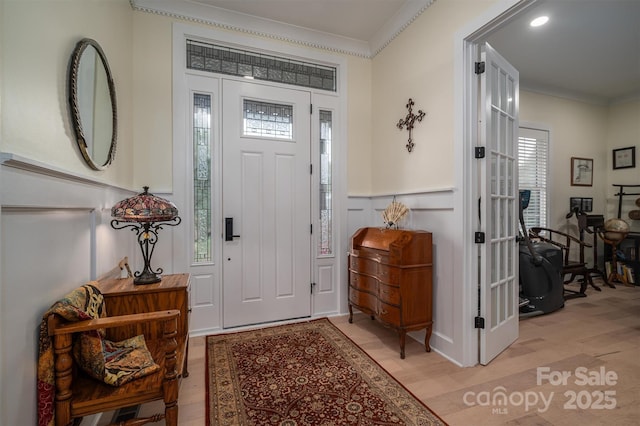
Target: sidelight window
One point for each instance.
(202, 177)
(326, 208)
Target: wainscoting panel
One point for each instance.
(325, 292)
(325, 279)
(360, 214)
(44, 257)
(56, 236)
(205, 303)
(429, 211)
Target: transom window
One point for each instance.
(243, 63)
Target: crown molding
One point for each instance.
(579, 96)
(560, 92)
(409, 12)
(204, 14)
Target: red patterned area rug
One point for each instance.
(306, 373)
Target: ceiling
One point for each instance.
(356, 19)
(589, 49)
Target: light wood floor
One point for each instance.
(601, 331)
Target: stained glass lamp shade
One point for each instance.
(145, 214)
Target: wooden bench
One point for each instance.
(78, 395)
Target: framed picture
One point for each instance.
(581, 203)
(624, 158)
(581, 171)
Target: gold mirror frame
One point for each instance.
(93, 111)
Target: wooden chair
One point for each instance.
(78, 395)
(576, 268)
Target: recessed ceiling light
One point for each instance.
(540, 20)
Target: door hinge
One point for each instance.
(479, 322)
(312, 286)
(311, 228)
(478, 152)
(310, 108)
(479, 237)
(310, 169)
(479, 68)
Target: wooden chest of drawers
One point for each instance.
(390, 278)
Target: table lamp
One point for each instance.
(145, 214)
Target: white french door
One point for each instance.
(499, 205)
(266, 203)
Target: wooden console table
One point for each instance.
(122, 297)
(390, 278)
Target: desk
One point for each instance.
(390, 278)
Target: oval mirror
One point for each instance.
(92, 98)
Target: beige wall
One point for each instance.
(152, 110)
(587, 130)
(577, 129)
(360, 116)
(623, 130)
(418, 64)
(38, 39)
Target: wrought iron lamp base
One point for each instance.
(147, 277)
(147, 233)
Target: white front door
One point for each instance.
(266, 203)
(499, 205)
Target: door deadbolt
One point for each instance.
(228, 229)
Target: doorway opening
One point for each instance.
(468, 44)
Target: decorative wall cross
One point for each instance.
(409, 121)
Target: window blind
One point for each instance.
(533, 163)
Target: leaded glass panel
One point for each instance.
(264, 119)
(326, 208)
(202, 177)
(242, 63)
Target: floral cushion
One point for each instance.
(115, 363)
